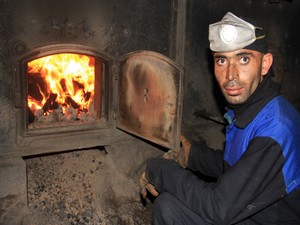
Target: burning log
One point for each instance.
(72, 103)
(87, 96)
(77, 85)
(63, 85)
(50, 103)
(36, 86)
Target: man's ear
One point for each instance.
(267, 61)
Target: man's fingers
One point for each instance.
(145, 185)
(152, 189)
(144, 192)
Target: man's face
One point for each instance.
(239, 73)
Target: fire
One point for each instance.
(61, 81)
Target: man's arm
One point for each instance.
(205, 160)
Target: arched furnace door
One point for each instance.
(150, 97)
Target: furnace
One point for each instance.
(68, 91)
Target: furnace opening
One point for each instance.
(63, 89)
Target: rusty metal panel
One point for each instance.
(150, 97)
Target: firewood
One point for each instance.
(50, 102)
(63, 85)
(72, 103)
(87, 96)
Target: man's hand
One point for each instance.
(146, 185)
(181, 156)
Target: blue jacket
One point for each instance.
(279, 121)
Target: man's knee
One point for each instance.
(169, 210)
(163, 202)
(164, 211)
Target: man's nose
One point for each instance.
(232, 72)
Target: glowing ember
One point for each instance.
(61, 83)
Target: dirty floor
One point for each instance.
(63, 190)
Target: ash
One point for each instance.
(58, 118)
(84, 187)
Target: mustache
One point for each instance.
(232, 83)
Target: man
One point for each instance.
(258, 173)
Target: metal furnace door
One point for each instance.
(150, 97)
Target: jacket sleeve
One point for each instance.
(253, 183)
(205, 160)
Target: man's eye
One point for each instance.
(220, 61)
(244, 60)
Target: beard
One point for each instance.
(238, 98)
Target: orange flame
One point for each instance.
(62, 79)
